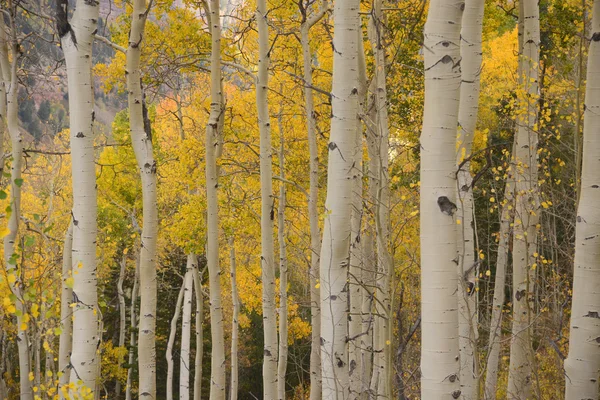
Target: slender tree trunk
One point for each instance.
(3, 365)
(213, 149)
(133, 325)
(235, 299)
(335, 251)
(171, 342)
(66, 323)
(186, 329)
(78, 58)
(356, 282)
(283, 272)
(470, 51)
(504, 236)
(122, 316)
(141, 139)
(199, 334)
(521, 353)
(266, 190)
(9, 114)
(313, 215)
(439, 278)
(583, 362)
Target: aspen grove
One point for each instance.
(303, 200)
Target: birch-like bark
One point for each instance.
(213, 144)
(382, 369)
(141, 139)
(266, 219)
(133, 325)
(439, 278)
(9, 115)
(356, 282)
(199, 334)
(470, 52)
(313, 197)
(283, 271)
(521, 353)
(235, 299)
(186, 329)
(171, 342)
(504, 235)
(335, 250)
(66, 323)
(122, 316)
(583, 363)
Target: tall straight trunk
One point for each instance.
(9, 114)
(133, 325)
(470, 51)
(3, 365)
(266, 220)
(504, 235)
(439, 278)
(122, 316)
(357, 288)
(583, 362)
(66, 323)
(77, 47)
(141, 139)
(283, 271)
(382, 369)
(213, 142)
(313, 197)
(335, 250)
(186, 329)
(521, 353)
(199, 334)
(171, 342)
(235, 299)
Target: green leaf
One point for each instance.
(29, 240)
(36, 217)
(3, 195)
(19, 182)
(57, 331)
(18, 313)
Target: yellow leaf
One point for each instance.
(69, 282)
(4, 232)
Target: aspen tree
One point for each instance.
(213, 146)
(141, 139)
(199, 333)
(77, 36)
(133, 325)
(171, 342)
(521, 353)
(335, 250)
(266, 218)
(122, 315)
(470, 52)
(186, 329)
(8, 113)
(283, 269)
(439, 278)
(315, 235)
(66, 323)
(583, 363)
(235, 298)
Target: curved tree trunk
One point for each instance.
(313, 215)
(335, 250)
(583, 362)
(213, 148)
(521, 353)
(141, 139)
(439, 278)
(470, 51)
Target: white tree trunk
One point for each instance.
(283, 271)
(122, 316)
(133, 325)
(199, 334)
(141, 139)
(213, 143)
(470, 51)
(78, 57)
(313, 215)
(439, 278)
(9, 115)
(521, 353)
(171, 342)
(335, 251)
(583, 363)
(235, 299)
(186, 329)
(266, 219)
